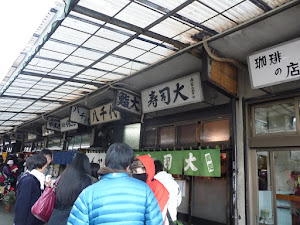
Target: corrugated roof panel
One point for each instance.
(41, 63)
(17, 90)
(22, 102)
(50, 81)
(18, 84)
(221, 6)
(60, 73)
(135, 66)
(31, 96)
(243, 12)
(108, 7)
(55, 94)
(93, 73)
(69, 68)
(27, 78)
(112, 76)
(7, 115)
(78, 60)
(168, 4)
(93, 55)
(111, 35)
(197, 12)
(90, 86)
(36, 71)
(101, 44)
(114, 60)
(141, 44)
(80, 25)
(150, 57)
(59, 47)
(70, 35)
(186, 37)
(71, 97)
(150, 39)
(74, 84)
(36, 92)
(51, 54)
(219, 23)
(15, 94)
(124, 70)
(163, 51)
(129, 52)
(170, 28)
(84, 77)
(138, 15)
(6, 102)
(275, 3)
(104, 66)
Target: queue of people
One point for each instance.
(127, 190)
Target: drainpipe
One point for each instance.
(234, 211)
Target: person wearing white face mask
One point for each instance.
(29, 189)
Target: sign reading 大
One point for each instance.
(278, 64)
(175, 93)
(128, 102)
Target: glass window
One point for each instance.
(216, 131)
(187, 135)
(131, 135)
(150, 138)
(275, 118)
(167, 136)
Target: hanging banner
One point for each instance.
(104, 114)
(128, 102)
(53, 124)
(188, 162)
(278, 64)
(80, 115)
(179, 92)
(67, 125)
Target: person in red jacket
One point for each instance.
(143, 168)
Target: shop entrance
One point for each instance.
(278, 186)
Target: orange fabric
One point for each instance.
(159, 190)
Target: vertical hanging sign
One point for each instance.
(104, 114)
(175, 93)
(53, 124)
(128, 102)
(80, 115)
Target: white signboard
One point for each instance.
(175, 93)
(31, 136)
(128, 102)
(80, 115)
(53, 124)
(278, 64)
(46, 132)
(104, 114)
(66, 125)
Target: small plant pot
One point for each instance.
(7, 208)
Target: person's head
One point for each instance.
(29, 163)
(10, 162)
(138, 170)
(48, 154)
(119, 156)
(81, 162)
(21, 156)
(39, 162)
(158, 166)
(94, 169)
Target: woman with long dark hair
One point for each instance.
(75, 178)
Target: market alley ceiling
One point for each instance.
(86, 44)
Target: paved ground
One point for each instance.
(6, 218)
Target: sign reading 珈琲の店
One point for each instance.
(104, 114)
(179, 92)
(278, 64)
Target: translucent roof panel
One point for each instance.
(52, 54)
(170, 28)
(138, 15)
(129, 52)
(42, 64)
(168, 4)
(275, 3)
(150, 57)
(105, 66)
(93, 73)
(135, 66)
(114, 60)
(88, 54)
(163, 51)
(186, 37)
(79, 60)
(108, 7)
(125, 71)
(111, 76)
(69, 68)
(101, 44)
(142, 44)
(70, 35)
(59, 47)
(219, 23)
(80, 25)
(112, 35)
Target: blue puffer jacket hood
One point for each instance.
(116, 199)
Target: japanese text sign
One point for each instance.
(175, 93)
(66, 125)
(128, 102)
(278, 64)
(53, 124)
(80, 115)
(104, 114)
(189, 162)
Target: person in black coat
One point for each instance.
(75, 178)
(29, 189)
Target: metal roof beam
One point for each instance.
(3, 111)
(128, 26)
(262, 5)
(59, 78)
(32, 99)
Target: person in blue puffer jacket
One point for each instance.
(117, 198)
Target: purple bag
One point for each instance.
(43, 207)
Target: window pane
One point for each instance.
(187, 135)
(132, 135)
(275, 118)
(216, 131)
(149, 138)
(167, 136)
